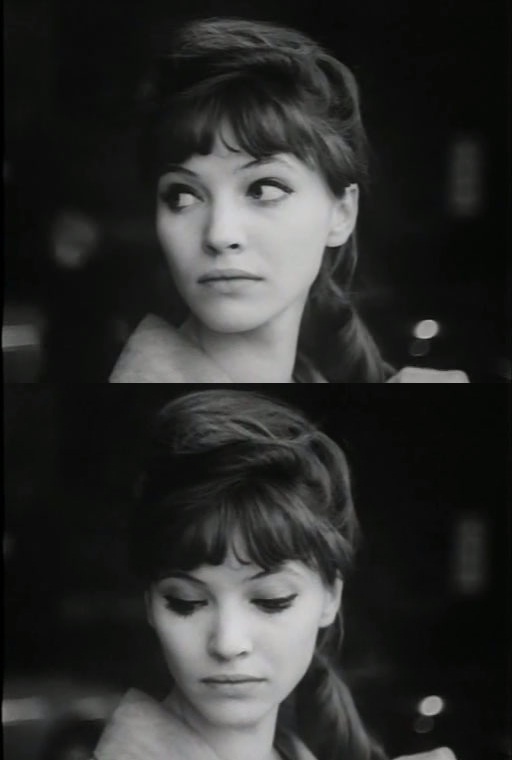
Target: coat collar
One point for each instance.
(143, 729)
(158, 353)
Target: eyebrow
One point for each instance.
(187, 577)
(263, 161)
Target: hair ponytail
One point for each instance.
(327, 719)
(332, 335)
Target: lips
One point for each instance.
(220, 275)
(232, 679)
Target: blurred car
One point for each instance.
(54, 717)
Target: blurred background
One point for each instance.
(82, 264)
(427, 641)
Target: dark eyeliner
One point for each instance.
(276, 604)
(182, 606)
(171, 193)
(273, 183)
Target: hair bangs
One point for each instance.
(260, 522)
(263, 117)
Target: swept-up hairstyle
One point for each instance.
(279, 91)
(225, 463)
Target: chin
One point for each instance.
(232, 713)
(230, 321)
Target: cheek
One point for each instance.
(302, 640)
(295, 645)
(179, 644)
(164, 230)
(176, 240)
(300, 240)
(311, 239)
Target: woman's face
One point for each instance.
(237, 639)
(244, 238)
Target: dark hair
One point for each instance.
(227, 460)
(280, 92)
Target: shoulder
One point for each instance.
(158, 353)
(148, 355)
(143, 729)
(134, 730)
(424, 375)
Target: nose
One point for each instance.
(229, 636)
(224, 229)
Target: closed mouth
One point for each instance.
(232, 679)
(227, 274)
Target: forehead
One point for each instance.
(235, 573)
(234, 160)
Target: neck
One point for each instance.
(252, 742)
(266, 354)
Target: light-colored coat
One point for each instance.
(143, 729)
(158, 353)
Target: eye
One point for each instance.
(177, 197)
(275, 604)
(183, 607)
(269, 190)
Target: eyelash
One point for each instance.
(185, 608)
(272, 183)
(171, 193)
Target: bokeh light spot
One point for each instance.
(426, 329)
(432, 705)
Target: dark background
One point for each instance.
(425, 606)
(435, 82)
